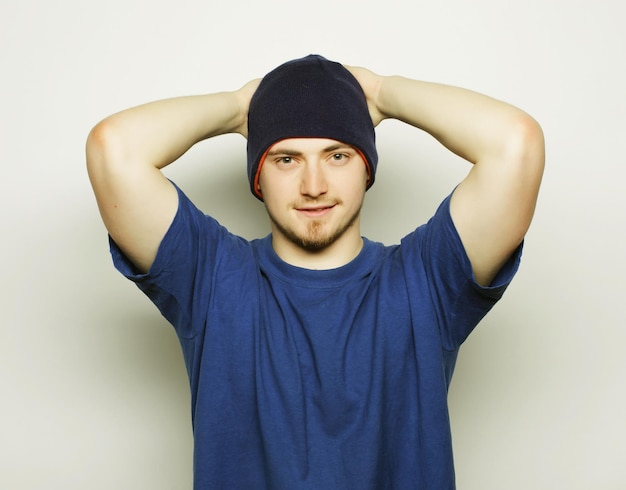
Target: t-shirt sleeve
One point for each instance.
(459, 301)
(184, 267)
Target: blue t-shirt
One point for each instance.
(307, 379)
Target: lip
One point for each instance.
(315, 212)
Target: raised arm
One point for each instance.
(493, 206)
(126, 152)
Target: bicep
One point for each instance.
(493, 207)
(137, 203)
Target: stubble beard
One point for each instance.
(314, 239)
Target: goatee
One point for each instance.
(315, 240)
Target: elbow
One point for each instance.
(527, 155)
(103, 146)
(101, 138)
(532, 130)
(526, 145)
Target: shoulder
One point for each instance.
(439, 231)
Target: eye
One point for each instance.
(284, 160)
(339, 157)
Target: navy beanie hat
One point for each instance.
(309, 97)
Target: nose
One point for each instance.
(313, 182)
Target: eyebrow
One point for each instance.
(295, 153)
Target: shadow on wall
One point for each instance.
(221, 190)
(72, 316)
(94, 369)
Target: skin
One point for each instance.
(313, 191)
(492, 207)
(127, 150)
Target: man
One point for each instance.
(319, 359)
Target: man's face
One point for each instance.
(313, 190)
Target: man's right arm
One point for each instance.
(126, 152)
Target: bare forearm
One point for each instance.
(157, 133)
(470, 124)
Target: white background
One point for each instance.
(93, 388)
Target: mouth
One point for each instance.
(315, 211)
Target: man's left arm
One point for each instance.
(493, 206)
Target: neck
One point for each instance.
(337, 254)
